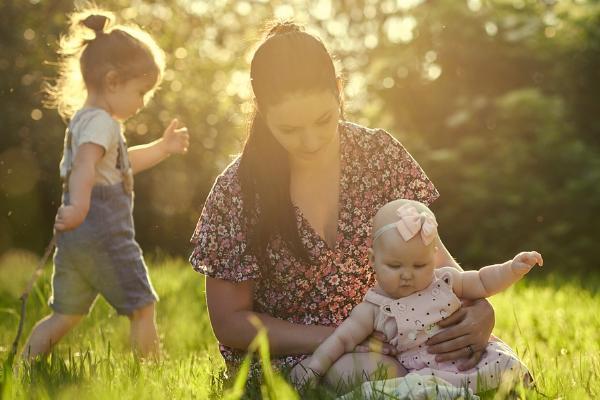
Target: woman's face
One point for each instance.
(305, 123)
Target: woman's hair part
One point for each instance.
(286, 62)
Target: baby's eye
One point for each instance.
(393, 266)
(420, 265)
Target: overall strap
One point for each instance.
(68, 154)
(124, 165)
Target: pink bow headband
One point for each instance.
(410, 224)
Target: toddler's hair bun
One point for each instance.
(96, 22)
(283, 27)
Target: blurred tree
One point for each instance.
(497, 99)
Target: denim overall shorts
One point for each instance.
(101, 256)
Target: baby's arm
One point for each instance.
(493, 278)
(174, 140)
(356, 328)
(81, 181)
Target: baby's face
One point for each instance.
(403, 268)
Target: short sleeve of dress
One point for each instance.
(97, 127)
(401, 175)
(220, 236)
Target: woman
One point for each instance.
(284, 233)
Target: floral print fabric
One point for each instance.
(375, 169)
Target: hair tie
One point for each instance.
(97, 23)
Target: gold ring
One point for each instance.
(470, 349)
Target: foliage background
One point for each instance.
(497, 99)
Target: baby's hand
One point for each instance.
(176, 139)
(523, 262)
(67, 218)
(302, 375)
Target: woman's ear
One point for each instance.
(371, 256)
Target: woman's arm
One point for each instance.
(230, 307)
(443, 258)
(468, 329)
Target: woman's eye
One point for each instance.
(325, 121)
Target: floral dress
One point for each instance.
(375, 169)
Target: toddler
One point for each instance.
(411, 296)
(107, 73)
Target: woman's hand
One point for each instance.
(467, 334)
(377, 343)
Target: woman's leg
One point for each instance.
(353, 368)
(47, 332)
(144, 338)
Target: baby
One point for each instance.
(411, 296)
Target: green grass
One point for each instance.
(554, 326)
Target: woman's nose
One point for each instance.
(310, 142)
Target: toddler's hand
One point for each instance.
(176, 139)
(523, 262)
(67, 218)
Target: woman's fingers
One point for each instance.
(457, 354)
(455, 329)
(450, 345)
(453, 319)
(470, 362)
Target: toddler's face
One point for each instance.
(402, 268)
(128, 97)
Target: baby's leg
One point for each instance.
(353, 368)
(144, 338)
(47, 332)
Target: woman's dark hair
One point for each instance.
(93, 47)
(287, 61)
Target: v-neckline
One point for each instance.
(340, 201)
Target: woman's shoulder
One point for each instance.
(229, 180)
(367, 138)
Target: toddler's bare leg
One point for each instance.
(144, 338)
(47, 332)
(354, 368)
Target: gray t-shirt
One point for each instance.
(95, 125)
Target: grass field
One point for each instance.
(553, 325)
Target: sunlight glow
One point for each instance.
(400, 29)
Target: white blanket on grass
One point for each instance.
(410, 387)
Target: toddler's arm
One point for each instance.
(174, 140)
(493, 278)
(81, 181)
(356, 328)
